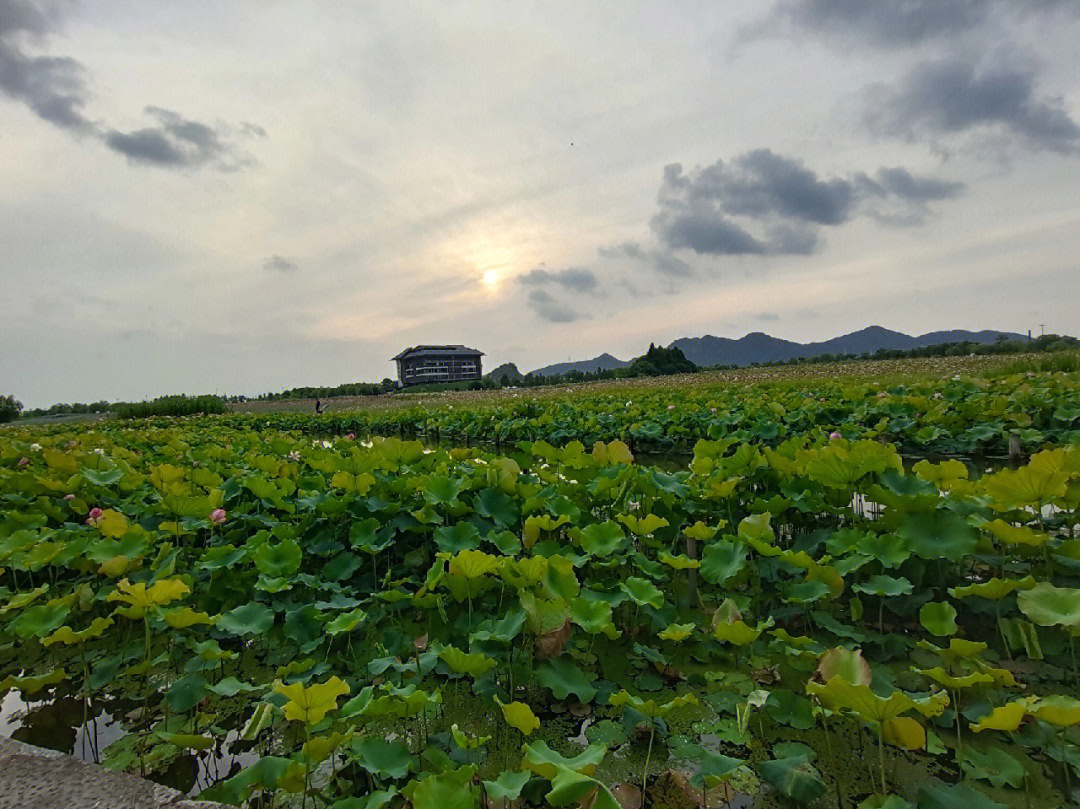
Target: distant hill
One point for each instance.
(759, 347)
(605, 362)
(507, 369)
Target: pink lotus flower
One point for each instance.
(218, 516)
(882, 394)
(350, 437)
(23, 462)
(835, 436)
(712, 409)
(93, 517)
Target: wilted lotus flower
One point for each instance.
(218, 516)
(69, 497)
(23, 462)
(36, 447)
(1030, 374)
(835, 436)
(93, 517)
(937, 394)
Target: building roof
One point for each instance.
(439, 351)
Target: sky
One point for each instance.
(242, 197)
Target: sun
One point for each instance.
(491, 279)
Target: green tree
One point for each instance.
(10, 408)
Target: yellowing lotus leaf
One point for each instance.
(519, 715)
(311, 703)
(905, 732)
(1006, 717)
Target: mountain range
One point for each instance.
(760, 347)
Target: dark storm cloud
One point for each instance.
(56, 89)
(176, 142)
(949, 97)
(895, 23)
(542, 302)
(575, 279)
(788, 201)
(279, 264)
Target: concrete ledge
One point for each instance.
(35, 778)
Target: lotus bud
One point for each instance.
(218, 516)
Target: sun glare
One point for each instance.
(491, 279)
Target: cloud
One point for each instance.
(770, 317)
(663, 261)
(541, 302)
(177, 142)
(787, 201)
(893, 23)
(56, 89)
(575, 279)
(949, 97)
(279, 264)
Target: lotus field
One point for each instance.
(286, 615)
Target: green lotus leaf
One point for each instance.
(40, 620)
(721, 561)
(602, 539)
(993, 589)
(183, 617)
(304, 625)
(503, 630)
(644, 525)
(32, 683)
(564, 678)
(794, 778)
(1010, 534)
(545, 762)
(614, 452)
(280, 559)
(508, 786)
(993, 765)
(186, 693)
(570, 787)
(497, 506)
(677, 632)
(882, 585)
(382, 758)
(678, 561)
(593, 616)
(938, 618)
(956, 796)
(738, 633)
(475, 665)
(1030, 485)
(955, 682)
(1047, 605)
(263, 774)
(757, 527)
(442, 490)
(789, 708)
(839, 695)
(465, 742)
(452, 789)
(642, 592)
(346, 622)
(702, 532)
(230, 687)
(650, 708)
(457, 538)
(943, 474)
(938, 535)
(189, 741)
(250, 619)
(519, 715)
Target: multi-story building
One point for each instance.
(421, 365)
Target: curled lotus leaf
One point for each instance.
(66, 636)
(848, 664)
(142, 597)
(185, 616)
(475, 665)
(955, 682)
(677, 632)
(642, 592)
(1011, 534)
(993, 589)
(543, 761)
(649, 707)
(571, 787)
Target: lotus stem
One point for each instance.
(648, 755)
(881, 757)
